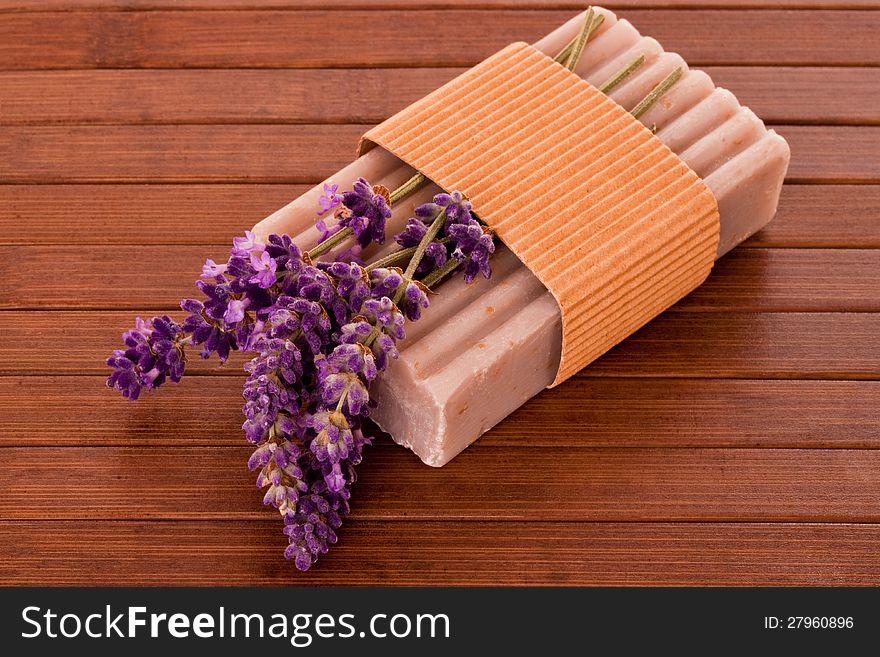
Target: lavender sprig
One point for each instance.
(154, 351)
(319, 334)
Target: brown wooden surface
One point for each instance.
(623, 412)
(826, 216)
(734, 440)
(185, 96)
(574, 5)
(214, 39)
(677, 344)
(772, 280)
(474, 553)
(286, 153)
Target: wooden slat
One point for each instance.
(227, 553)
(828, 216)
(838, 154)
(821, 216)
(307, 153)
(605, 412)
(573, 5)
(215, 96)
(697, 413)
(513, 483)
(676, 344)
(791, 280)
(243, 153)
(139, 214)
(408, 38)
(804, 95)
(808, 95)
(134, 277)
(763, 345)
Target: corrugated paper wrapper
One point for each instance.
(609, 219)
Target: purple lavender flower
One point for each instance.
(279, 449)
(206, 331)
(379, 326)
(346, 371)
(457, 207)
(311, 529)
(298, 319)
(415, 298)
(244, 246)
(333, 441)
(280, 358)
(384, 316)
(314, 284)
(283, 486)
(125, 377)
(384, 281)
(352, 282)
(235, 311)
(265, 266)
(434, 258)
(412, 234)
(269, 392)
(285, 253)
(217, 297)
(473, 246)
(435, 255)
(454, 205)
(368, 210)
(334, 479)
(279, 461)
(211, 269)
(357, 330)
(329, 199)
(239, 272)
(154, 353)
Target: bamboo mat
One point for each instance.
(734, 440)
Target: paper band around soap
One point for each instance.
(544, 155)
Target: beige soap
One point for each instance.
(482, 350)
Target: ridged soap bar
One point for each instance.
(482, 350)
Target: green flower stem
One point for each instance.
(343, 396)
(329, 243)
(417, 256)
(622, 74)
(427, 238)
(580, 43)
(398, 255)
(648, 101)
(563, 55)
(397, 195)
(391, 258)
(439, 274)
(408, 187)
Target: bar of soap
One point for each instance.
(482, 350)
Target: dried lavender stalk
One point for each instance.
(321, 333)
